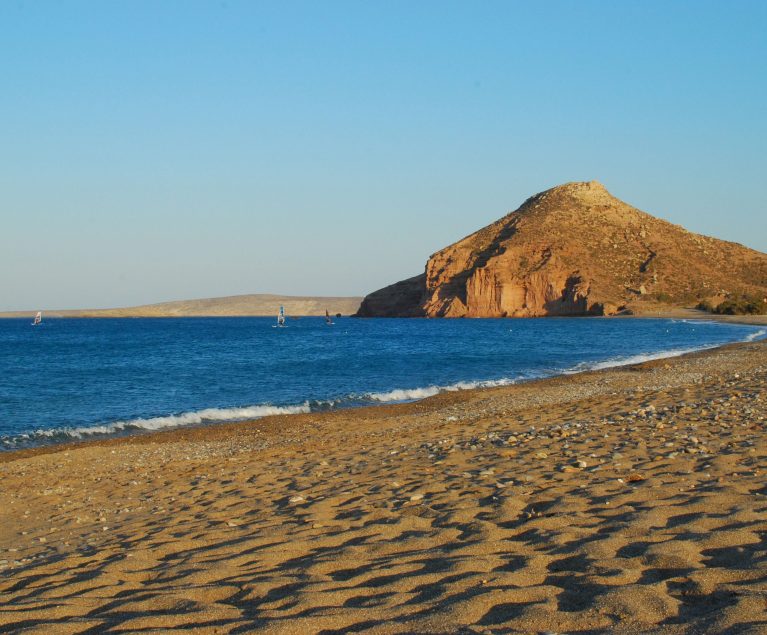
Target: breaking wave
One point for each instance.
(208, 415)
(404, 394)
(411, 394)
(648, 357)
(634, 359)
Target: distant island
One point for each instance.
(235, 305)
(577, 250)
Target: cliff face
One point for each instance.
(572, 250)
(401, 299)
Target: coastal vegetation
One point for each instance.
(743, 304)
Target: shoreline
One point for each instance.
(118, 437)
(697, 314)
(624, 500)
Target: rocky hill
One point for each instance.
(573, 250)
(237, 305)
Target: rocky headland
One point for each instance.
(574, 250)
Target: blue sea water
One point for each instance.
(80, 378)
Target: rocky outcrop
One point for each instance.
(550, 288)
(572, 250)
(401, 299)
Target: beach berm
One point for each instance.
(627, 500)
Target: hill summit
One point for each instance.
(574, 249)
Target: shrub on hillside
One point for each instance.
(742, 306)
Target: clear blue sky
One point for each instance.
(166, 150)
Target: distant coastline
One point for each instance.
(698, 314)
(251, 305)
(265, 305)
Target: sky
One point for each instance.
(162, 150)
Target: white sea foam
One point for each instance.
(410, 394)
(208, 415)
(633, 359)
(646, 357)
(404, 394)
(755, 336)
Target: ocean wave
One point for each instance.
(404, 394)
(208, 415)
(755, 336)
(411, 394)
(634, 359)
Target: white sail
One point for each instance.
(38, 318)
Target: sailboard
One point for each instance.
(281, 317)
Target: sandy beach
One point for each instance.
(329, 318)
(628, 500)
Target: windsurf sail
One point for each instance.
(281, 317)
(38, 318)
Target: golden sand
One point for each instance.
(631, 500)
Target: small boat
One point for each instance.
(38, 318)
(328, 321)
(281, 317)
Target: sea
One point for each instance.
(73, 379)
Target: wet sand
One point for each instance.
(631, 500)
